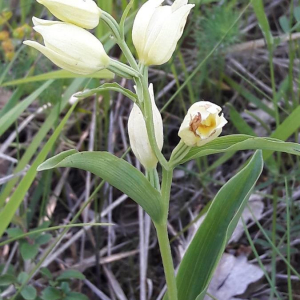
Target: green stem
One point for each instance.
(126, 51)
(115, 29)
(111, 23)
(165, 250)
(122, 69)
(162, 230)
(178, 154)
(163, 239)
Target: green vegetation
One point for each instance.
(56, 242)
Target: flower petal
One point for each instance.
(165, 43)
(141, 23)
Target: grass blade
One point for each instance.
(15, 200)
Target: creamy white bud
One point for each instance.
(138, 136)
(70, 47)
(83, 13)
(201, 124)
(157, 29)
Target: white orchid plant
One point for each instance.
(156, 31)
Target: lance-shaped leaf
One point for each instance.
(237, 142)
(116, 172)
(208, 245)
(108, 87)
(60, 74)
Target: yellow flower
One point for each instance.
(83, 13)
(157, 29)
(201, 124)
(21, 31)
(70, 47)
(138, 136)
(8, 45)
(4, 35)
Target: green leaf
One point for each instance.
(285, 24)
(263, 22)
(116, 172)
(14, 232)
(29, 251)
(61, 74)
(43, 239)
(7, 279)
(285, 130)
(108, 87)
(51, 293)
(55, 160)
(71, 274)
(124, 17)
(208, 245)
(297, 13)
(22, 277)
(237, 142)
(46, 273)
(65, 287)
(29, 292)
(75, 296)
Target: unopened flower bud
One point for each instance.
(157, 29)
(83, 13)
(70, 47)
(201, 124)
(138, 136)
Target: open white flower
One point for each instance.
(157, 29)
(83, 13)
(138, 136)
(201, 124)
(70, 47)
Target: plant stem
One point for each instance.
(163, 239)
(165, 250)
(122, 69)
(126, 51)
(115, 29)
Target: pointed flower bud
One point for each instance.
(70, 47)
(157, 29)
(83, 13)
(201, 124)
(138, 136)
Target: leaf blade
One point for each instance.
(205, 250)
(238, 142)
(60, 74)
(114, 170)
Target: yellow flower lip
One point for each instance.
(202, 124)
(203, 128)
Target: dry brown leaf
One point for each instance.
(232, 277)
